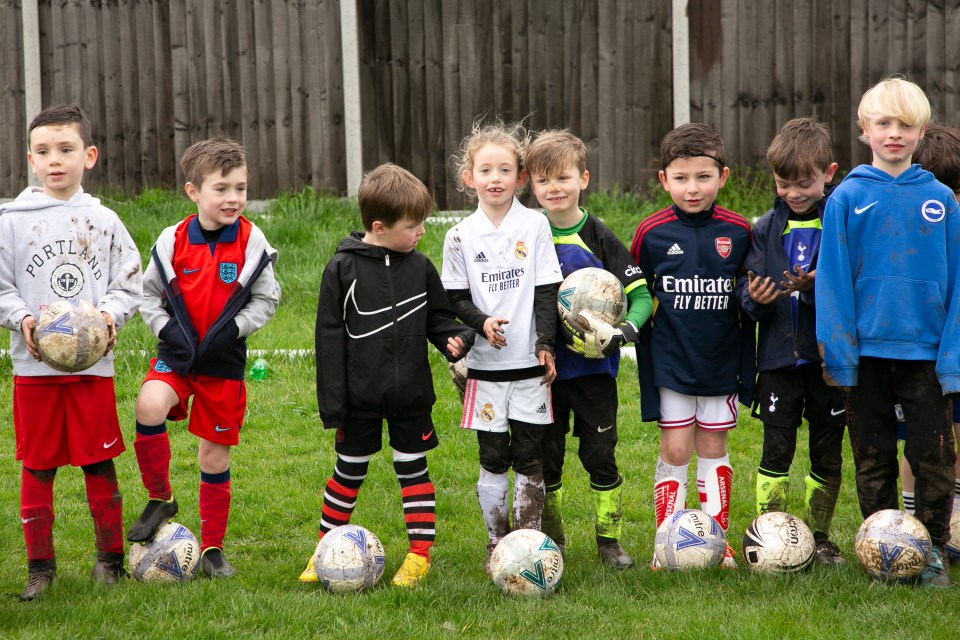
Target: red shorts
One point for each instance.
(216, 413)
(61, 420)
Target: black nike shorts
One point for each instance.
(784, 397)
(408, 434)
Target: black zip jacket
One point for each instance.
(779, 344)
(376, 308)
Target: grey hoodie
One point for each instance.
(51, 250)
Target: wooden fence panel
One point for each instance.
(157, 75)
(13, 142)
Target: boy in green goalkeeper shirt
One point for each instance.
(586, 383)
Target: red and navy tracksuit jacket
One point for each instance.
(697, 341)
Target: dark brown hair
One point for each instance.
(939, 153)
(692, 140)
(63, 114)
(390, 194)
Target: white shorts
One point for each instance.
(488, 406)
(715, 413)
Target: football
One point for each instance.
(953, 547)
(777, 542)
(526, 563)
(595, 290)
(71, 335)
(172, 556)
(349, 558)
(892, 545)
(689, 539)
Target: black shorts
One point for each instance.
(408, 434)
(784, 397)
(593, 402)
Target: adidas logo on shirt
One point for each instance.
(675, 250)
(480, 258)
(542, 408)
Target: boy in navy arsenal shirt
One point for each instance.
(696, 355)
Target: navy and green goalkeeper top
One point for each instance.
(590, 243)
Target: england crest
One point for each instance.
(724, 246)
(228, 272)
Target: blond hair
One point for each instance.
(554, 151)
(512, 136)
(894, 97)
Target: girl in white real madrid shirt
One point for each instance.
(501, 273)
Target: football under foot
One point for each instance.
(154, 514)
(412, 572)
(611, 553)
(215, 565)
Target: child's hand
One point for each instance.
(111, 329)
(546, 360)
(493, 330)
(763, 291)
(803, 281)
(27, 325)
(456, 347)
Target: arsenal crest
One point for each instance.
(724, 246)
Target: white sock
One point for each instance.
(669, 489)
(492, 495)
(528, 496)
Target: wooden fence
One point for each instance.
(158, 75)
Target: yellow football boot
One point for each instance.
(412, 572)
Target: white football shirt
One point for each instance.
(501, 266)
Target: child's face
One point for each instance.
(693, 183)
(58, 158)
(802, 195)
(892, 141)
(403, 236)
(560, 194)
(220, 198)
(495, 176)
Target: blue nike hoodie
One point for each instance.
(886, 283)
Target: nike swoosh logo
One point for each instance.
(186, 271)
(426, 436)
(836, 413)
(107, 445)
(26, 520)
(859, 210)
(221, 429)
(604, 429)
(356, 315)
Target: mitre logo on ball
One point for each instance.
(71, 335)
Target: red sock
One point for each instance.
(419, 514)
(36, 513)
(214, 508)
(106, 507)
(153, 458)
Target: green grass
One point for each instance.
(285, 457)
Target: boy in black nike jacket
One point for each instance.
(379, 300)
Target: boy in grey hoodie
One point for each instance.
(57, 242)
